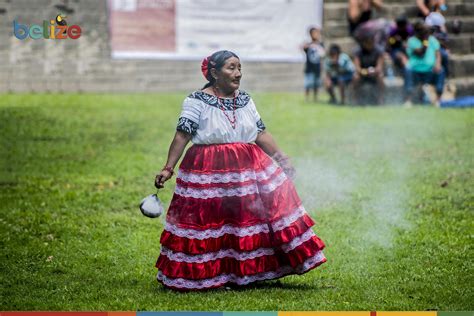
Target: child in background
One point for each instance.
(437, 24)
(314, 51)
(339, 72)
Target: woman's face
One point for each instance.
(228, 78)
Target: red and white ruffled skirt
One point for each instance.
(234, 218)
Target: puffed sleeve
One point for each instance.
(189, 118)
(258, 120)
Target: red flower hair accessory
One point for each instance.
(204, 66)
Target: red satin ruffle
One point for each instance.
(244, 210)
(242, 244)
(228, 265)
(224, 158)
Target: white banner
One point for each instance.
(192, 29)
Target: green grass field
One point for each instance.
(391, 190)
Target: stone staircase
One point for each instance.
(335, 30)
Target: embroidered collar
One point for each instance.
(242, 99)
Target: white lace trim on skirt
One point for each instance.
(207, 193)
(227, 177)
(235, 230)
(231, 253)
(211, 256)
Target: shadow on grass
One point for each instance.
(262, 285)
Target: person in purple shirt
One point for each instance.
(396, 44)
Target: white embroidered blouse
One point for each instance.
(203, 117)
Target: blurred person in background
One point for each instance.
(235, 217)
(424, 63)
(314, 51)
(360, 11)
(437, 24)
(369, 65)
(397, 41)
(339, 71)
(425, 7)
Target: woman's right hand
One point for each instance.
(284, 162)
(161, 178)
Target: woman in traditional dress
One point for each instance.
(235, 217)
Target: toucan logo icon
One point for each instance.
(52, 29)
(61, 20)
